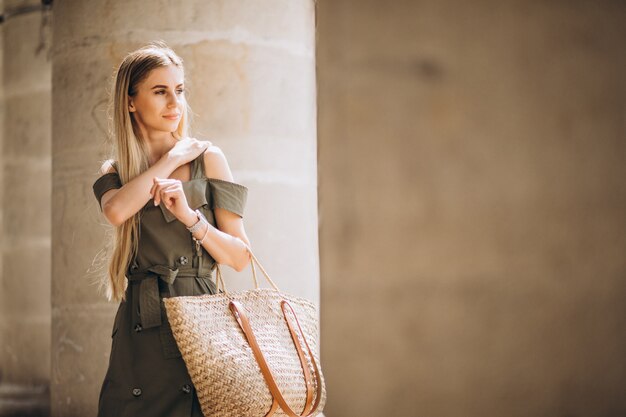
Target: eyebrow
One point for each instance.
(163, 86)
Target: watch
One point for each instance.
(197, 225)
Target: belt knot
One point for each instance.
(149, 299)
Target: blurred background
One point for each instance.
(444, 178)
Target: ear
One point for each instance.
(131, 106)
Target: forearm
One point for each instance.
(223, 247)
(136, 193)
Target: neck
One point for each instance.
(158, 145)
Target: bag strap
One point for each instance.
(220, 280)
(241, 317)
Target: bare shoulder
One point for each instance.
(215, 164)
(107, 167)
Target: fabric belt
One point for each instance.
(149, 298)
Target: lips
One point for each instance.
(172, 116)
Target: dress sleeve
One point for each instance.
(228, 195)
(105, 183)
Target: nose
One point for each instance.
(173, 100)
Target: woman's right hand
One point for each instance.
(187, 149)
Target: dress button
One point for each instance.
(138, 327)
(136, 392)
(183, 260)
(186, 388)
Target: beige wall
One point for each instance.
(24, 212)
(250, 69)
(25, 161)
(472, 200)
(251, 83)
(471, 193)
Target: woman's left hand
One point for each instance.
(170, 191)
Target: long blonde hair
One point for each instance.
(131, 152)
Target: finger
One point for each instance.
(168, 190)
(158, 186)
(154, 191)
(168, 187)
(169, 195)
(154, 184)
(175, 185)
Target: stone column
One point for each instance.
(472, 168)
(24, 210)
(251, 74)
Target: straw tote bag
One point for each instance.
(250, 353)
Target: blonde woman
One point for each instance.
(177, 211)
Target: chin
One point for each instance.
(172, 126)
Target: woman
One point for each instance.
(177, 211)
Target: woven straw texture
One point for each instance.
(221, 363)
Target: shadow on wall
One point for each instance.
(24, 401)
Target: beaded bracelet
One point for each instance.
(196, 226)
(205, 233)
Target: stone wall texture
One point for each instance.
(472, 158)
(463, 163)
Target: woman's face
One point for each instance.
(158, 96)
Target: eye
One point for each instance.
(180, 91)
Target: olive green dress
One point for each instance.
(146, 374)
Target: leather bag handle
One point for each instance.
(241, 317)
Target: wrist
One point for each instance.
(173, 160)
(190, 218)
(201, 234)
